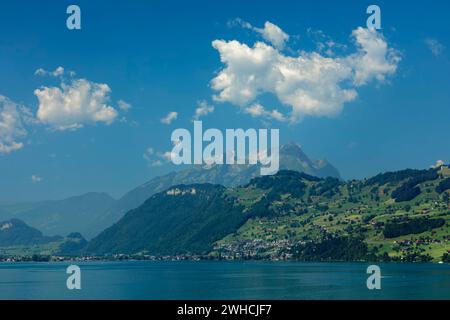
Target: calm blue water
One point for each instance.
(223, 280)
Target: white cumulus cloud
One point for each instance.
(71, 106)
(308, 83)
(13, 118)
(171, 116)
(373, 60)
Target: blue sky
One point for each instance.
(158, 57)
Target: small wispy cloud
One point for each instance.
(271, 32)
(36, 178)
(171, 116)
(125, 106)
(203, 109)
(59, 71)
(156, 158)
(435, 46)
(149, 156)
(257, 110)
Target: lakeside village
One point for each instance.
(247, 250)
(256, 249)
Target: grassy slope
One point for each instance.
(42, 249)
(341, 214)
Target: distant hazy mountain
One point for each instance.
(73, 245)
(15, 232)
(92, 212)
(18, 238)
(61, 217)
(291, 158)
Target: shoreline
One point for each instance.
(47, 259)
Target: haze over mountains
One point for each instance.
(292, 157)
(395, 216)
(61, 217)
(15, 232)
(91, 213)
(18, 238)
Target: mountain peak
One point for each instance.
(293, 158)
(293, 149)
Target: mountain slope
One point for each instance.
(73, 245)
(19, 239)
(15, 232)
(294, 215)
(74, 214)
(183, 219)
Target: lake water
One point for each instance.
(223, 280)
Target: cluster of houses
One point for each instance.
(256, 249)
